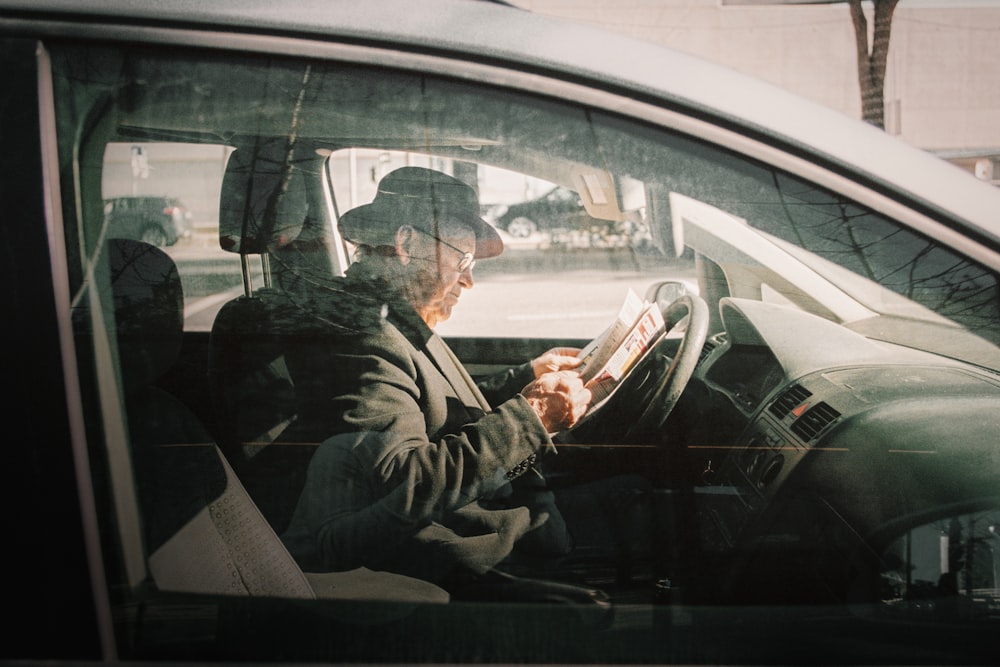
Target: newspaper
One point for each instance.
(608, 358)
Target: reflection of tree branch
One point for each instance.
(973, 301)
(856, 246)
(908, 264)
(293, 135)
(785, 209)
(912, 280)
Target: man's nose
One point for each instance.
(465, 278)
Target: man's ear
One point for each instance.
(402, 242)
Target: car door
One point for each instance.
(705, 527)
(47, 481)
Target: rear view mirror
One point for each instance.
(605, 199)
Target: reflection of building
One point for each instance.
(941, 90)
(193, 173)
(357, 171)
(984, 163)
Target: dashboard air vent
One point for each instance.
(789, 399)
(816, 418)
(710, 345)
(706, 350)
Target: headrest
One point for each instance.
(264, 202)
(149, 310)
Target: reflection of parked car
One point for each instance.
(559, 208)
(156, 220)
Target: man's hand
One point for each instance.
(559, 399)
(556, 359)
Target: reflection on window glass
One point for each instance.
(947, 568)
(749, 484)
(551, 241)
(168, 194)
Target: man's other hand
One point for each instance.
(559, 399)
(556, 359)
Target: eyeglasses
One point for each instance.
(468, 259)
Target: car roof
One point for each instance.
(500, 34)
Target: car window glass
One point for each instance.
(878, 263)
(548, 237)
(826, 226)
(171, 192)
(211, 374)
(948, 568)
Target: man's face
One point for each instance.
(435, 282)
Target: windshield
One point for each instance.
(919, 300)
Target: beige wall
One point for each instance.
(943, 71)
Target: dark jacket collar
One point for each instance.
(373, 287)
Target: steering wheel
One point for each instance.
(644, 398)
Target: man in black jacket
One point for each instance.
(422, 474)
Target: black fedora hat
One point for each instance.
(423, 198)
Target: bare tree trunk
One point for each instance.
(871, 65)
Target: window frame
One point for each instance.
(533, 83)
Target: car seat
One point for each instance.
(251, 391)
(265, 203)
(202, 532)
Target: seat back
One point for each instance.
(263, 204)
(202, 532)
(266, 217)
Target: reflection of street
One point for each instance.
(563, 305)
(555, 290)
(532, 290)
(594, 238)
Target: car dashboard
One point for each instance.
(804, 408)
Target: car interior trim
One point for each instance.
(74, 401)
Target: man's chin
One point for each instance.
(436, 316)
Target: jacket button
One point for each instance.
(521, 467)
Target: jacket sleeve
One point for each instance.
(502, 386)
(426, 435)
